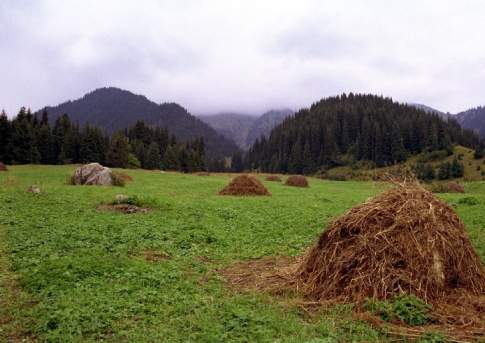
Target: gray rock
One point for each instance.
(93, 174)
(120, 198)
(34, 189)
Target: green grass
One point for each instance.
(78, 274)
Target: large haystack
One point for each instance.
(297, 181)
(245, 185)
(404, 240)
(3, 167)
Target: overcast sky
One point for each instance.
(243, 56)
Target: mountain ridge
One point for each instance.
(113, 109)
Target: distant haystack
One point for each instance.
(274, 178)
(455, 187)
(245, 185)
(3, 167)
(92, 174)
(297, 181)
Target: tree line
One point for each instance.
(30, 139)
(349, 128)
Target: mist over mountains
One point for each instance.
(224, 134)
(245, 129)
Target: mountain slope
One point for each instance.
(264, 124)
(233, 126)
(344, 129)
(245, 129)
(430, 110)
(473, 119)
(113, 109)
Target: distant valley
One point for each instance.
(245, 129)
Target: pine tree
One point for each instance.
(61, 128)
(170, 160)
(398, 153)
(71, 145)
(22, 143)
(93, 145)
(5, 136)
(152, 160)
(45, 144)
(237, 162)
(457, 168)
(118, 152)
(444, 171)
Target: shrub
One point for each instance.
(468, 201)
(433, 155)
(432, 337)
(117, 180)
(133, 162)
(128, 200)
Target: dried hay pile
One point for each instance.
(455, 187)
(245, 185)
(203, 173)
(123, 176)
(275, 178)
(297, 181)
(403, 241)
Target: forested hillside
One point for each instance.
(473, 119)
(28, 140)
(112, 109)
(344, 129)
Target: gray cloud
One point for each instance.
(249, 56)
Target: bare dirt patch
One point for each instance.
(155, 256)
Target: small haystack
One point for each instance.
(3, 167)
(245, 185)
(203, 173)
(124, 177)
(275, 178)
(455, 187)
(297, 181)
(403, 241)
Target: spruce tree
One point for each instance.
(5, 136)
(152, 160)
(170, 160)
(118, 152)
(237, 162)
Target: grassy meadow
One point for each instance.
(72, 273)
